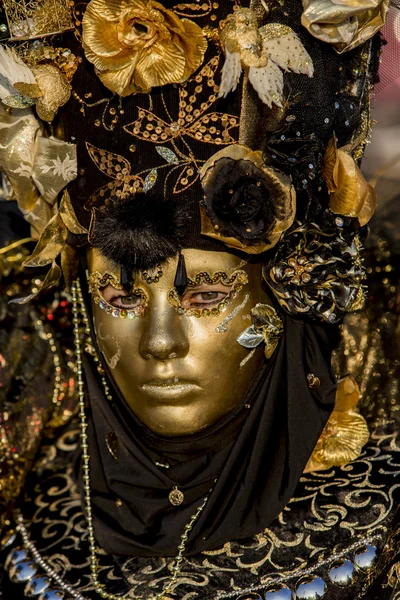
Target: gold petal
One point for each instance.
(49, 245)
(236, 152)
(172, 21)
(99, 36)
(121, 82)
(125, 58)
(31, 90)
(369, 206)
(347, 394)
(164, 63)
(330, 160)
(195, 45)
(351, 188)
(346, 432)
(68, 216)
(108, 10)
(345, 436)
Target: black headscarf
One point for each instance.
(251, 461)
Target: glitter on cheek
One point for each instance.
(113, 360)
(247, 358)
(223, 327)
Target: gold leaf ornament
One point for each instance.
(52, 243)
(267, 327)
(345, 433)
(345, 24)
(136, 45)
(266, 320)
(350, 194)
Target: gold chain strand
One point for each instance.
(78, 306)
(57, 388)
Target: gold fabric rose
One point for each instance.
(345, 433)
(344, 23)
(136, 45)
(350, 194)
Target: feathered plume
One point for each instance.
(139, 232)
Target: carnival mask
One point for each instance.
(175, 358)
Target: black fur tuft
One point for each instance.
(139, 232)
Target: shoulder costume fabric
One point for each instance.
(132, 132)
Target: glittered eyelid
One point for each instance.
(226, 278)
(237, 280)
(98, 281)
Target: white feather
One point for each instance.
(286, 50)
(12, 70)
(268, 83)
(231, 72)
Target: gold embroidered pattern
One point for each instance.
(350, 515)
(118, 169)
(237, 280)
(192, 121)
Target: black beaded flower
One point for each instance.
(317, 270)
(247, 205)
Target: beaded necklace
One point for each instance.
(78, 308)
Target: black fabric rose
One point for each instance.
(317, 270)
(247, 205)
(238, 199)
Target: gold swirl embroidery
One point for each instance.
(244, 563)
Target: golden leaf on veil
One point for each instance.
(350, 194)
(345, 433)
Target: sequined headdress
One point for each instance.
(165, 126)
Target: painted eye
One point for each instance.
(204, 298)
(123, 300)
(128, 302)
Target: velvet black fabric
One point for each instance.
(252, 460)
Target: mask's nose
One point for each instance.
(165, 333)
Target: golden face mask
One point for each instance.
(177, 361)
